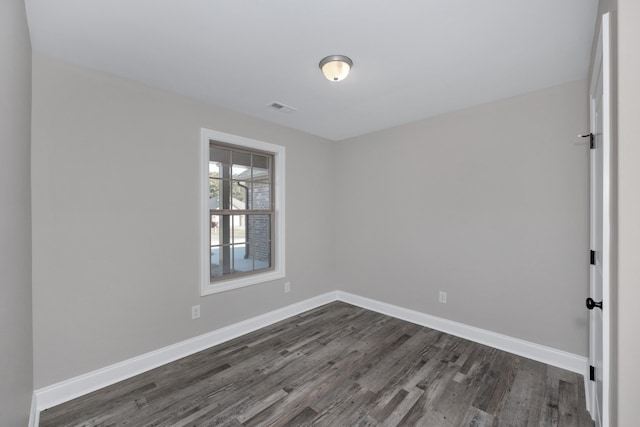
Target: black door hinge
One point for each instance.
(592, 257)
(592, 141)
(592, 373)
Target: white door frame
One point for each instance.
(602, 69)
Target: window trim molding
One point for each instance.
(278, 272)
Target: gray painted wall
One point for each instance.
(16, 384)
(488, 204)
(115, 220)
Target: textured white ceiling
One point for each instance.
(412, 58)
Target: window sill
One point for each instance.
(240, 282)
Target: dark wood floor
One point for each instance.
(338, 365)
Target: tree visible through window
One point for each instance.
(241, 211)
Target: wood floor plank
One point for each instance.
(341, 410)
(396, 416)
(477, 418)
(569, 413)
(338, 365)
(496, 382)
(519, 402)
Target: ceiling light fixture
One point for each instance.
(336, 67)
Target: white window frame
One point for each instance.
(278, 272)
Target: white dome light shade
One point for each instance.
(336, 67)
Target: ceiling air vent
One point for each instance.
(279, 106)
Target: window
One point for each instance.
(242, 225)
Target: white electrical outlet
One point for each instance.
(442, 297)
(195, 311)
(287, 287)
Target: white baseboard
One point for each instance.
(551, 356)
(64, 391)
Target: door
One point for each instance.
(600, 188)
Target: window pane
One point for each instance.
(244, 261)
(248, 258)
(216, 269)
(261, 168)
(261, 174)
(224, 196)
(214, 193)
(241, 165)
(241, 261)
(239, 225)
(221, 155)
(215, 170)
(226, 259)
(261, 195)
(261, 249)
(239, 190)
(215, 230)
(259, 235)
